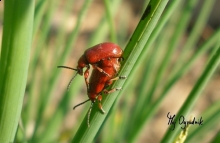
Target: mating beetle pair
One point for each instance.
(105, 59)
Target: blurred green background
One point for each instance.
(160, 82)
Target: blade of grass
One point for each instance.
(194, 95)
(16, 44)
(102, 28)
(56, 120)
(54, 77)
(142, 118)
(61, 36)
(201, 50)
(155, 105)
(167, 13)
(181, 27)
(38, 15)
(131, 53)
(196, 31)
(20, 135)
(29, 114)
(110, 20)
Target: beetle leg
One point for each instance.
(99, 103)
(118, 77)
(111, 90)
(101, 70)
(86, 75)
(109, 82)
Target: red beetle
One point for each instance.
(105, 59)
(93, 56)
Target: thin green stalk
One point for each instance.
(15, 55)
(20, 135)
(102, 28)
(196, 31)
(149, 72)
(38, 15)
(110, 20)
(164, 18)
(188, 64)
(182, 25)
(145, 82)
(201, 21)
(124, 113)
(30, 115)
(52, 5)
(193, 96)
(166, 15)
(155, 105)
(61, 34)
(160, 72)
(56, 120)
(54, 78)
(131, 53)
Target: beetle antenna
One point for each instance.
(89, 112)
(67, 68)
(80, 104)
(72, 77)
(68, 87)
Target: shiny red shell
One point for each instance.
(103, 51)
(97, 53)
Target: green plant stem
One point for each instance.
(102, 28)
(110, 21)
(31, 105)
(188, 64)
(131, 53)
(54, 77)
(38, 15)
(167, 13)
(155, 105)
(196, 31)
(16, 44)
(181, 27)
(193, 96)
